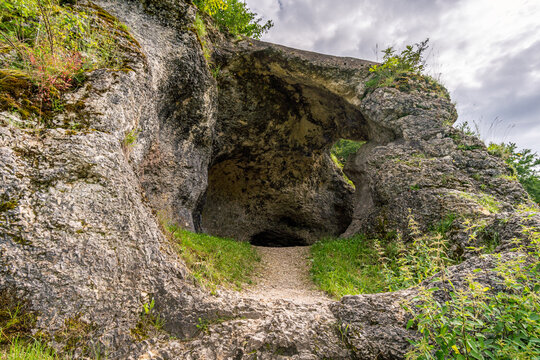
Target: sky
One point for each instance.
(486, 52)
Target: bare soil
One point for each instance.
(284, 274)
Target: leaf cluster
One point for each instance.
(234, 17)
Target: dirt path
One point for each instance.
(284, 274)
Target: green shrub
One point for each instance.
(404, 71)
(524, 163)
(233, 16)
(479, 322)
(408, 62)
(423, 257)
(215, 261)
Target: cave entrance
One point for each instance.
(272, 180)
(272, 238)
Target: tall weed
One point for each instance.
(482, 322)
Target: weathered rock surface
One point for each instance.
(245, 156)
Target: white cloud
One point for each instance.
(488, 51)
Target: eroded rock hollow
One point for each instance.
(271, 172)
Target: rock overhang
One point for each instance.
(275, 127)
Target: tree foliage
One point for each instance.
(233, 16)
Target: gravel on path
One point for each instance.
(283, 274)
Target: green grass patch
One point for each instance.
(359, 265)
(22, 350)
(216, 261)
(342, 149)
(487, 201)
(346, 266)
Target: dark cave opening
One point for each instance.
(272, 238)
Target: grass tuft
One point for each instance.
(346, 266)
(21, 350)
(359, 265)
(215, 261)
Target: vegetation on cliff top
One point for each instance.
(234, 17)
(404, 71)
(47, 46)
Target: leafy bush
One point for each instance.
(215, 261)
(408, 62)
(48, 47)
(479, 322)
(233, 16)
(423, 257)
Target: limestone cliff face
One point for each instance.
(245, 155)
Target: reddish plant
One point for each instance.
(54, 73)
